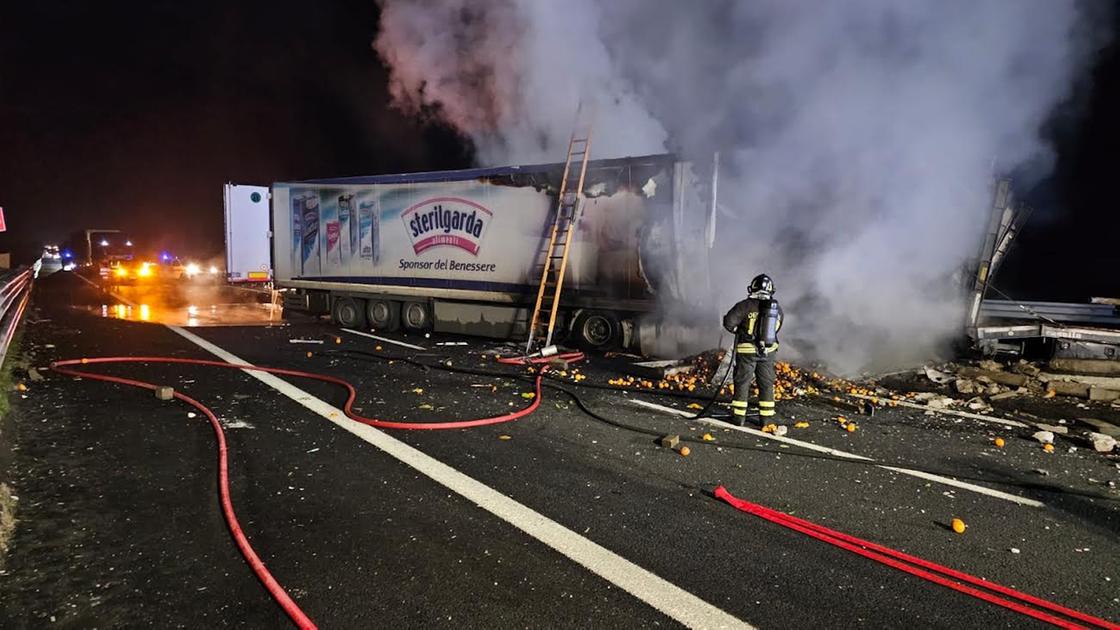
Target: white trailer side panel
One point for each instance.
(468, 235)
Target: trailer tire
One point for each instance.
(596, 330)
(416, 316)
(349, 313)
(383, 314)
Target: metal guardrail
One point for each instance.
(15, 292)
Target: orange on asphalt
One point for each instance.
(684, 451)
(1049, 448)
(958, 525)
(999, 442)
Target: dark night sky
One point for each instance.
(132, 114)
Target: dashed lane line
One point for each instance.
(948, 481)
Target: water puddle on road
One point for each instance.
(193, 315)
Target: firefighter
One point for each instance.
(755, 322)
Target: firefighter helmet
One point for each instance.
(761, 284)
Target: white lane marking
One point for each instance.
(385, 339)
(948, 481)
(951, 412)
(659, 593)
(670, 599)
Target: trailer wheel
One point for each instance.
(383, 314)
(596, 329)
(349, 313)
(415, 316)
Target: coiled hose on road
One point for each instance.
(270, 583)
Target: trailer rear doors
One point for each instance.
(248, 233)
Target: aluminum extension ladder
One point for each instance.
(543, 322)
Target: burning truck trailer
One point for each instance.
(463, 252)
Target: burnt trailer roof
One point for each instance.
(654, 162)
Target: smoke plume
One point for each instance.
(858, 139)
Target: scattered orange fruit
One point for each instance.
(505, 437)
(21, 387)
(708, 437)
(958, 525)
(801, 425)
(684, 451)
(999, 442)
(338, 339)
(1049, 448)
(377, 348)
(851, 427)
(1050, 394)
(308, 355)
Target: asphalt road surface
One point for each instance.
(556, 520)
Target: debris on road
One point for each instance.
(1102, 443)
(165, 392)
(1045, 437)
(670, 441)
(1053, 428)
(958, 525)
(999, 442)
(659, 369)
(34, 375)
(315, 341)
(937, 376)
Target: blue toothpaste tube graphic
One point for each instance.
(347, 223)
(311, 235)
(297, 234)
(368, 227)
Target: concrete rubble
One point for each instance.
(1040, 397)
(1102, 443)
(1044, 437)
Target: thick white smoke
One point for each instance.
(858, 137)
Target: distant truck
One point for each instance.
(462, 251)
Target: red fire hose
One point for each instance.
(352, 393)
(930, 571)
(270, 583)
